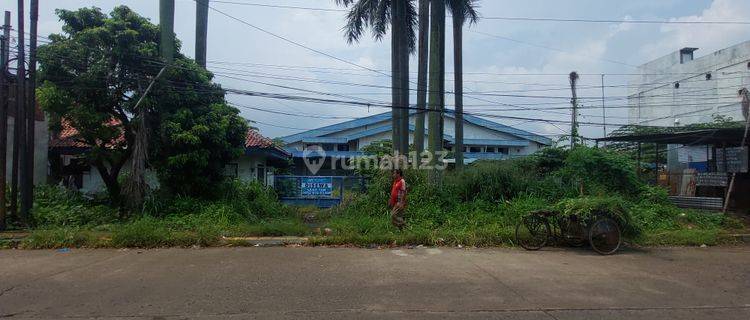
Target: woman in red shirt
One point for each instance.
(397, 201)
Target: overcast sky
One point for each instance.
(500, 63)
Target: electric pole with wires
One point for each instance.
(574, 111)
(4, 97)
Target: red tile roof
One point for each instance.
(68, 136)
(253, 139)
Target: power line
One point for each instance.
(511, 18)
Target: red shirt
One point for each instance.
(398, 192)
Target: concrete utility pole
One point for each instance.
(27, 191)
(166, 26)
(19, 123)
(574, 111)
(4, 95)
(604, 111)
(201, 31)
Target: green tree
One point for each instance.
(402, 17)
(93, 74)
(461, 10)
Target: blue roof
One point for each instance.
(370, 120)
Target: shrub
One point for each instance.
(61, 207)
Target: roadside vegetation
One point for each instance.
(477, 206)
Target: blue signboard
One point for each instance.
(316, 186)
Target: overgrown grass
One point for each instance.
(478, 206)
(481, 205)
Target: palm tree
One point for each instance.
(424, 30)
(461, 11)
(377, 15)
(436, 98)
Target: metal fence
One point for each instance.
(320, 191)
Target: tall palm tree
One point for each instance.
(424, 31)
(436, 97)
(401, 16)
(461, 10)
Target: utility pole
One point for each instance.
(4, 97)
(201, 31)
(166, 26)
(27, 191)
(574, 111)
(19, 123)
(604, 111)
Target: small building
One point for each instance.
(70, 167)
(483, 140)
(700, 166)
(262, 160)
(680, 89)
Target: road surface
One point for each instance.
(345, 283)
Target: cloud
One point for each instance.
(707, 37)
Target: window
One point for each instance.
(475, 149)
(328, 147)
(503, 150)
(491, 149)
(343, 147)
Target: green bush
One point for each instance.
(55, 206)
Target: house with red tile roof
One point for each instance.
(261, 159)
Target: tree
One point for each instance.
(460, 10)
(422, 54)
(436, 101)
(377, 15)
(92, 76)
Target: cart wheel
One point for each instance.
(533, 232)
(604, 236)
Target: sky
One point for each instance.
(504, 58)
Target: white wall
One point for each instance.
(654, 100)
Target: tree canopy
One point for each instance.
(93, 74)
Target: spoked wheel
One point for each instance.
(533, 232)
(604, 236)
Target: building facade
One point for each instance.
(679, 89)
(483, 140)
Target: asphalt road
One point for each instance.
(342, 283)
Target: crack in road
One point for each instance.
(6, 290)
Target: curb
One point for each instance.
(266, 241)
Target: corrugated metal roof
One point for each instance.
(362, 122)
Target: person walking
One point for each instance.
(397, 202)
